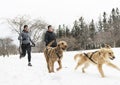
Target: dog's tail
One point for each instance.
(77, 57)
(50, 43)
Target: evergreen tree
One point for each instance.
(110, 20)
(117, 13)
(67, 31)
(105, 22)
(81, 22)
(76, 29)
(63, 31)
(92, 29)
(100, 25)
(59, 31)
(73, 32)
(113, 15)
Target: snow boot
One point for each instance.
(29, 64)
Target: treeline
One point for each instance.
(81, 36)
(94, 34)
(7, 47)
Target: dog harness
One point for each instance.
(90, 58)
(57, 53)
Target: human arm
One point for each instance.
(33, 44)
(46, 37)
(20, 36)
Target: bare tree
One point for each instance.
(7, 47)
(2, 48)
(16, 23)
(36, 27)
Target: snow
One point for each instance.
(14, 71)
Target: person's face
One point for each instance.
(26, 29)
(51, 29)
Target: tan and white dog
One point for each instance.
(100, 57)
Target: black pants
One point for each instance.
(26, 48)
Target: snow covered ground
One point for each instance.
(14, 71)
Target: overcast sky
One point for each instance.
(55, 12)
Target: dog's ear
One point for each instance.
(107, 46)
(102, 51)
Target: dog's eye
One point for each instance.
(62, 43)
(110, 53)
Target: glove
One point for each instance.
(33, 44)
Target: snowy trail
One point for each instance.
(14, 71)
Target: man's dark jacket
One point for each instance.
(50, 36)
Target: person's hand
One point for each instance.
(33, 44)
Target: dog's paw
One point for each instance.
(51, 72)
(58, 69)
(103, 76)
(83, 71)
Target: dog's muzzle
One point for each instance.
(64, 48)
(112, 58)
